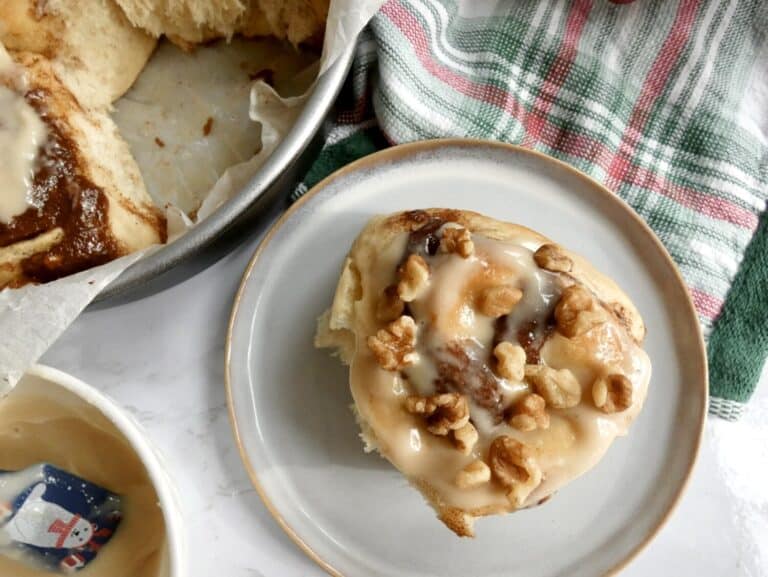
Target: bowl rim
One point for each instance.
(393, 154)
(147, 453)
(319, 102)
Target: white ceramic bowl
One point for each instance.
(68, 390)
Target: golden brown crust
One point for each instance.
(191, 22)
(94, 51)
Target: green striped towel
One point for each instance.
(665, 102)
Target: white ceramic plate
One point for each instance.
(352, 512)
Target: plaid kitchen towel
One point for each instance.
(665, 102)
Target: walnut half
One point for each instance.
(414, 278)
(394, 346)
(612, 393)
(559, 388)
(457, 240)
(445, 413)
(551, 257)
(475, 474)
(465, 438)
(577, 312)
(498, 301)
(529, 414)
(510, 361)
(513, 466)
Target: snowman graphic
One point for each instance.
(46, 525)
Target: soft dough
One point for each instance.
(189, 22)
(92, 47)
(489, 365)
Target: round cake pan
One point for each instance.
(215, 235)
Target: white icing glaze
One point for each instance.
(22, 134)
(577, 437)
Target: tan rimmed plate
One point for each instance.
(352, 512)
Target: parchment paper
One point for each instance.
(33, 317)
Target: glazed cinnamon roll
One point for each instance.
(489, 365)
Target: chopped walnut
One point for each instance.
(499, 300)
(394, 346)
(451, 415)
(475, 474)
(551, 257)
(420, 405)
(577, 312)
(445, 413)
(414, 278)
(510, 361)
(514, 468)
(612, 393)
(390, 305)
(457, 240)
(466, 438)
(559, 388)
(529, 414)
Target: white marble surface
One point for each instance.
(163, 359)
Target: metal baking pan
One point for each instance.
(218, 233)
